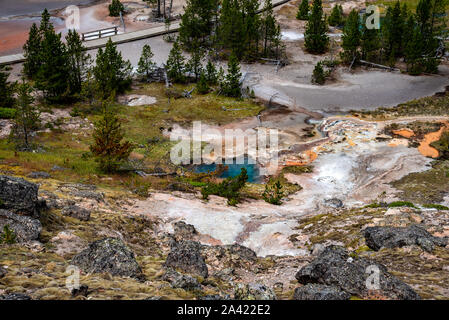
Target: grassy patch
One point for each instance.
(435, 206)
(425, 187)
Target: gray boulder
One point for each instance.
(25, 228)
(394, 237)
(334, 267)
(19, 196)
(184, 231)
(182, 281)
(109, 255)
(320, 292)
(39, 175)
(253, 291)
(76, 212)
(186, 256)
(334, 203)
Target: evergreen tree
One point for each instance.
(413, 52)
(351, 37)
(271, 31)
(108, 148)
(211, 73)
(231, 85)
(232, 30)
(176, 64)
(252, 23)
(111, 72)
(336, 17)
(319, 76)
(31, 51)
(392, 31)
(146, 65)
(316, 40)
(45, 24)
(78, 62)
(202, 87)
(197, 22)
(303, 10)
(6, 89)
(194, 65)
(369, 43)
(26, 119)
(115, 8)
(51, 77)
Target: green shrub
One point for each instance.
(435, 206)
(273, 193)
(7, 113)
(396, 204)
(8, 236)
(229, 188)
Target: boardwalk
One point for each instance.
(120, 38)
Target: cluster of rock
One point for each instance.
(336, 275)
(20, 207)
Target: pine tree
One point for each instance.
(202, 87)
(319, 76)
(231, 85)
(78, 62)
(45, 24)
(194, 65)
(316, 40)
(271, 31)
(108, 148)
(336, 17)
(31, 51)
(115, 8)
(392, 30)
(197, 22)
(303, 10)
(111, 72)
(252, 23)
(26, 119)
(369, 43)
(351, 38)
(51, 77)
(146, 65)
(176, 64)
(211, 73)
(413, 53)
(232, 28)
(6, 89)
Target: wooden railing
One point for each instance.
(97, 34)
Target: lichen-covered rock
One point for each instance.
(320, 292)
(229, 256)
(19, 196)
(186, 256)
(25, 228)
(210, 297)
(109, 255)
(335, 267)
(39, 175)
(184, 231)
(253, 291)
(394, 237)
(334, 203)
(182, 281)
(76, 212)
(15, 296)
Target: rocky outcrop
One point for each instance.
(19, 196)
(320, 292)
(253, 291)
(229, 256)
(184, 231)
(39, 175)
(394, 237)
(76, 212)
(335, 267)
(109, 255)
(15, 296)
(182, 281)
(25, 228)
(186, 256)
